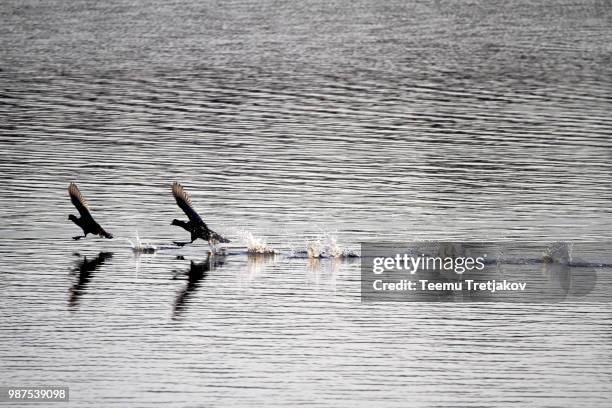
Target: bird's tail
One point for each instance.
(105, 234)
(219, 238)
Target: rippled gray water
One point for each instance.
(482, 120)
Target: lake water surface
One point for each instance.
(366, 121)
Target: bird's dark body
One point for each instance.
(85, 221)
(196, 227)
(199, 231)
(89, 226)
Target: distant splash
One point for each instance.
(558, 252)
(255, 245)
(327, 247)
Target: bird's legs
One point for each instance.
(193, 238)
(78, 237)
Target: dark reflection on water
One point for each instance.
(85, 268)
(195, 275)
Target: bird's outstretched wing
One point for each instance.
(78, 200)
(183, 201)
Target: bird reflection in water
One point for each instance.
(196, 273)
(85, 268)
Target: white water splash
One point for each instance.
(142, 247)
(314, 249)
(256, 245)
(327, 247)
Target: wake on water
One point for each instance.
(327, 246)
(324, 247)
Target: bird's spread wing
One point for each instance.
(78, 200)
(183, 201)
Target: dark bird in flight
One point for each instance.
(195, 226)
(86, 221)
